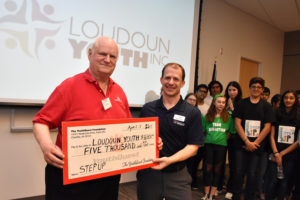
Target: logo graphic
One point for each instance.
(25, 26)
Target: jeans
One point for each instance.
(193, 163)
(246, 164)
(278, 186)
(296, 192)
(261, 171)
(231, 159)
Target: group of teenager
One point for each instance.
(261, 140)
(242, 125)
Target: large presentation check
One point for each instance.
(95, 149)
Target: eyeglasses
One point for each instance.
(190, 99)
(202, 91)
(256, 87)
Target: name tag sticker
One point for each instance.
(179, 118)
(106, 104)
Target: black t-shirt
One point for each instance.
(178, 126)
(286, 132)
(254, 117)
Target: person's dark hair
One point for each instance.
(210, 85)
(212, 111)
(238, 87)
(259, 80)
(201, 86)
(191, 94)
(275, 98)
(266, 90)
(174, 65)
(297, 92)
(281, 112)
(188, 95)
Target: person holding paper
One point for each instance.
(181, 132)
(253, 118)
(91, 95)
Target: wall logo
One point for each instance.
(28, 26)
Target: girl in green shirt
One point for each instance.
(217, 125)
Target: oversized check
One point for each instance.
(95, 149)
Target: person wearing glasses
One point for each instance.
(191, 99)
(201, 93)
(193, 162)
(253, 117)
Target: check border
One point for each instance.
(67, 124)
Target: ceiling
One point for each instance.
(282, 14)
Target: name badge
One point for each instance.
(179, 118)
(106, 104)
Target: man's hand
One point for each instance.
(185, 153)
(53, 155)
(162, 163)
(160, 144)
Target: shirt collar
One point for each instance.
(176, 107)
(89, 78)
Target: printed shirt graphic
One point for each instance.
(252, 128)
(286, 134)
(216, 132)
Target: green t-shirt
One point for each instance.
(216, 132)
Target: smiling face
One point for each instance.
(201, 93)
(171, 81)
(256, 90)
(289, 100)
(220, 103)
(103, 57)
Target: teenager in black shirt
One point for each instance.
(284, 141)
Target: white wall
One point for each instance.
(21, 172)
(239, 35)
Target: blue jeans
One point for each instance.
(246, 164)
(273, 184)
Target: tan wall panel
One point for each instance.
(248, 70)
